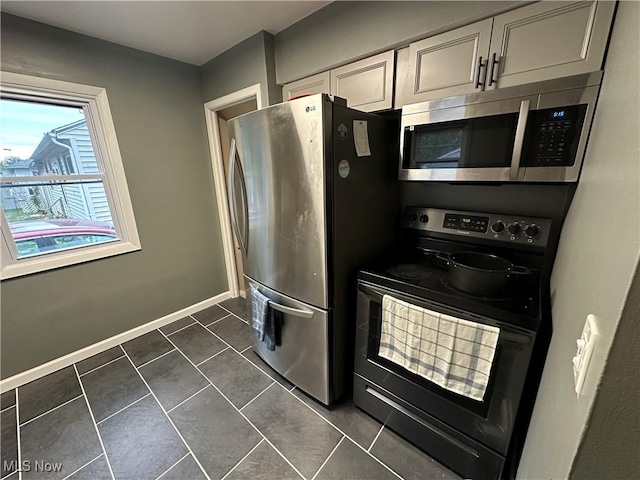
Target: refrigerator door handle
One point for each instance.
(296, 312)
(245, 205)
(232, 197)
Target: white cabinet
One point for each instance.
(448, 64)
(367, 84)
(548, 40)
(537, 42)
(314, 84)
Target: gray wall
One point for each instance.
(345, 31)
(597, 257)
(247, 63)
(609, 448)
(159, 120)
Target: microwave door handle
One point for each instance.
(519, 140)
(230, 192)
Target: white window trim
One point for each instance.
(107, 152)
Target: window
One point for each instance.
(62, 186)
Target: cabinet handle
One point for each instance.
(478, 83)
(494, 62)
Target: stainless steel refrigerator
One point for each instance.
(313, 195)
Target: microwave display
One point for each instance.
(554, 135)
(481, 142)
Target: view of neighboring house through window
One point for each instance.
(62, 184)
(53, 195)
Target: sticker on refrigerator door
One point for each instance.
(344, 168)
(361, 138)
(342, 131)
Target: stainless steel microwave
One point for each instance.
(528, 133)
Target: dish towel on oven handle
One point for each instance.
(453, 353)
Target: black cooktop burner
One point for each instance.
(419, 272)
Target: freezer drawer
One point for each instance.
(303, 357)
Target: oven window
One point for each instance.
(483, 142)
(373, 347)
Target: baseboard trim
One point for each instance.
(86, 352)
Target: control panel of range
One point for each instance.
(489, 226)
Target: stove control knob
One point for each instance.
(513, 228)
(413, 216)
(424, 218)
(497, 227)
(531, 230)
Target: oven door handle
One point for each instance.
(518, 145)
(371, 292)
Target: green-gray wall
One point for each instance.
(250, 62)
(157, 110)
(597, 257)
(609, 448)
(345, 31)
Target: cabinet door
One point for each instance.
(549, 40)
(367, 84)
(448, 64)
(318, 83)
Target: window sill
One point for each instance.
(29, 266)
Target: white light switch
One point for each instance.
(586, 344)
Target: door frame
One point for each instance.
(211, 110)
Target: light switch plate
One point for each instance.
(585, 344)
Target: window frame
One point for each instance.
(95, 104)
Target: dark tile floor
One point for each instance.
(192, 401)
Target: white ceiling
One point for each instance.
(190, 31)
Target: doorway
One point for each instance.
(218, 112)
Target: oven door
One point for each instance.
(489, 421)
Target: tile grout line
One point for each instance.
(88, 463)
(100, 366)
(215, 321)
(5, 409)
(236, 408)
(375, 438)
(122, 409)
(240, 353)
(187, 399)
(347, 436)
(95, 425)
(234, 314)
(292, 389)
(50, 410)
(212, 356)
(180, 329)
(156, 358)
(242, 460)
(247, 404)
(327, 459)
(19, 469)
(165, 412)
(167, 470)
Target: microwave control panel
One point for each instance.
(555, 136)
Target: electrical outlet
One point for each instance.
(585, 344)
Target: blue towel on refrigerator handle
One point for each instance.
(259, 312)
(263, 319)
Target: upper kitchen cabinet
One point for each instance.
(314, 84)
(548, 40)
(367, 84)
(452, 63)
(537, 42)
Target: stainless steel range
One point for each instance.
(473, 268)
